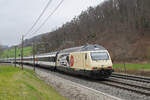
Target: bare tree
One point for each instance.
(119, 21)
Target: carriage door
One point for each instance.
(86, 60)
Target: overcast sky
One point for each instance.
(17, 16)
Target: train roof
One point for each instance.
(46, 54)
(52, 54)
(83, 48)
(42, 55)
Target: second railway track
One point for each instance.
(143, 90)
(131, 77)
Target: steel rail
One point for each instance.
(126, 87)
(130, 77)
(129, 84)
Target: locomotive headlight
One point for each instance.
(110, 67)
(94, 68)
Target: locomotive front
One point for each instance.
(101, 63)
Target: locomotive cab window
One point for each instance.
(99, 56)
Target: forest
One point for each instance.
(121, 26)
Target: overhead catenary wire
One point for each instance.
(48, 17)
(45, 8)
(44, 20)
(22, 44)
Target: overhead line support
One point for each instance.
(15, 55)
(22, 47)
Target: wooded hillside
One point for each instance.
(121, 26)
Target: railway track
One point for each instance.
(117, 83)
(143, 90)
(131, 77)
(112, 85)
(127, 86)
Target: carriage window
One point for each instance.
(52, 59)
(47, 59)
(99, 56)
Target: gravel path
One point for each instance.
(59, 80)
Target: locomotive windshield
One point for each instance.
(99, 56)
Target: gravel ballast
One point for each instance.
(72, 90)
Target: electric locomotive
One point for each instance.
(89, 60)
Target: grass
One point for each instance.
(11, 52)
(16, 84)
(132, 66)
(135, 69)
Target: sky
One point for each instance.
(17, 16)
